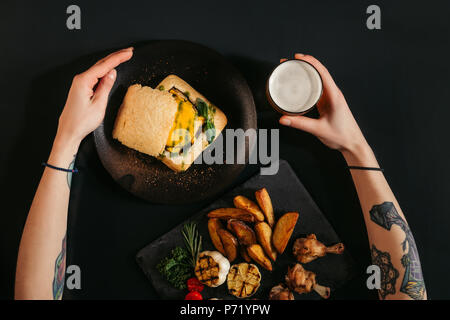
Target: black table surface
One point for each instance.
(394, 79)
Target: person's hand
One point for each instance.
(85, 107)
(336, 126)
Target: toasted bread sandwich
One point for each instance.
(172, 122)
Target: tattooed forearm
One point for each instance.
(60, 272)
(389, 274)
(385, 215)
(69, 174)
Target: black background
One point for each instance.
(395, 80)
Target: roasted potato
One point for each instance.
(242, 202)
(232, 213)
(283, 230)
(263, 199)
(244, 254)
(256, 252)
(214, 225)
(264, 236)
(230, 244)
(245, 235)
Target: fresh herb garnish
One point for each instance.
(161, 88)
(193, 241)
(207, 112)
(176, 267)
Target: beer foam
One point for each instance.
(295, 86)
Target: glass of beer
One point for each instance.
(294, 87)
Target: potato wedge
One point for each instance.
(265, 203)
(245, 235)
(215, 225)
(230, 244)
(244, 254)
(283, 230)
(232, 213)
(264, 236)
(256, 252)
(242, 202)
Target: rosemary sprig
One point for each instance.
(192, 240)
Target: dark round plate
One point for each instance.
(209, 73)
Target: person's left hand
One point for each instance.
(85, 108)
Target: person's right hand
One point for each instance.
(336, 126)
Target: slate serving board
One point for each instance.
(287, 194)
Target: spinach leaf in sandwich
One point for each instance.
(207, 112)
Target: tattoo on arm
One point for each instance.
(60, 272)
(69, 174)
(60, 263)
(389, 274)
(385, 215)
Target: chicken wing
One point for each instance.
(309, 248)
(303, 281)
(281, 292)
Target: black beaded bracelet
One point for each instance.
(365, 168)
(74, 170)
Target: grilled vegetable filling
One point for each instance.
(183, 132)
(207, 112)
